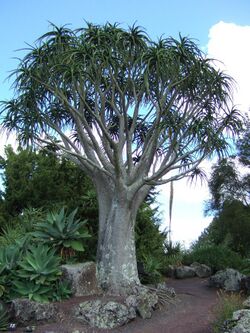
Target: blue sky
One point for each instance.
(24, 20)
(217, 25)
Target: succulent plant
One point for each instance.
(9, 256)
(63, 232)
(40, 264)
(4, 317)
(33, 291)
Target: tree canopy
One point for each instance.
(117, 102)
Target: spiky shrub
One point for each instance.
(64, 232)
(223, 311)
(10, 234)
(153, 270)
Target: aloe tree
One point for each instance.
(131, 112)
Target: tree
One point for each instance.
(39, 179)
(229, 202)
(227, 183)
(130, 112)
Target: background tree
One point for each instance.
(132, 113)
(37, 182)
(229, 187)
(39, 179)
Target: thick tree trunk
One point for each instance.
(116, 255)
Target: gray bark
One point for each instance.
(116, 253)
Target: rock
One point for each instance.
(144, 302)
(201, 270)
(228, 280)
(170, 271)
(242, 318)
(167, 290)
(82, 278)
(26, 311)
(183, 272)
(246, 303)
(103, 315)
(245, 285)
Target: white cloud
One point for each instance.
(187, 216)
(5, 140)
(230, 44)
(188, 220)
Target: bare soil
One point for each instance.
(191, 313)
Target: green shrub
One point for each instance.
(10, 234)
(216, 256)
(30, 217)
(174, 259)
(223, 311)
(245, 267)
(174, 253)
(153, 268)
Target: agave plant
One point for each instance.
(33, 291)
(62, 290)
(4, 317)
(40, 264)
(62, 231)
(9, 256)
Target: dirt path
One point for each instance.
(191, 314)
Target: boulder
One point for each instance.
(201, 270)
(245, 285)
(82, 278)
(183, 272)
(144, 301)
(163, 287)
(228, 280)
(242, 319)
(170, 271)
(104, 315)
(26, 311)
(246, 303)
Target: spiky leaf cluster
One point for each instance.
(122, 104)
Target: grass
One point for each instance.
(227, 304)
